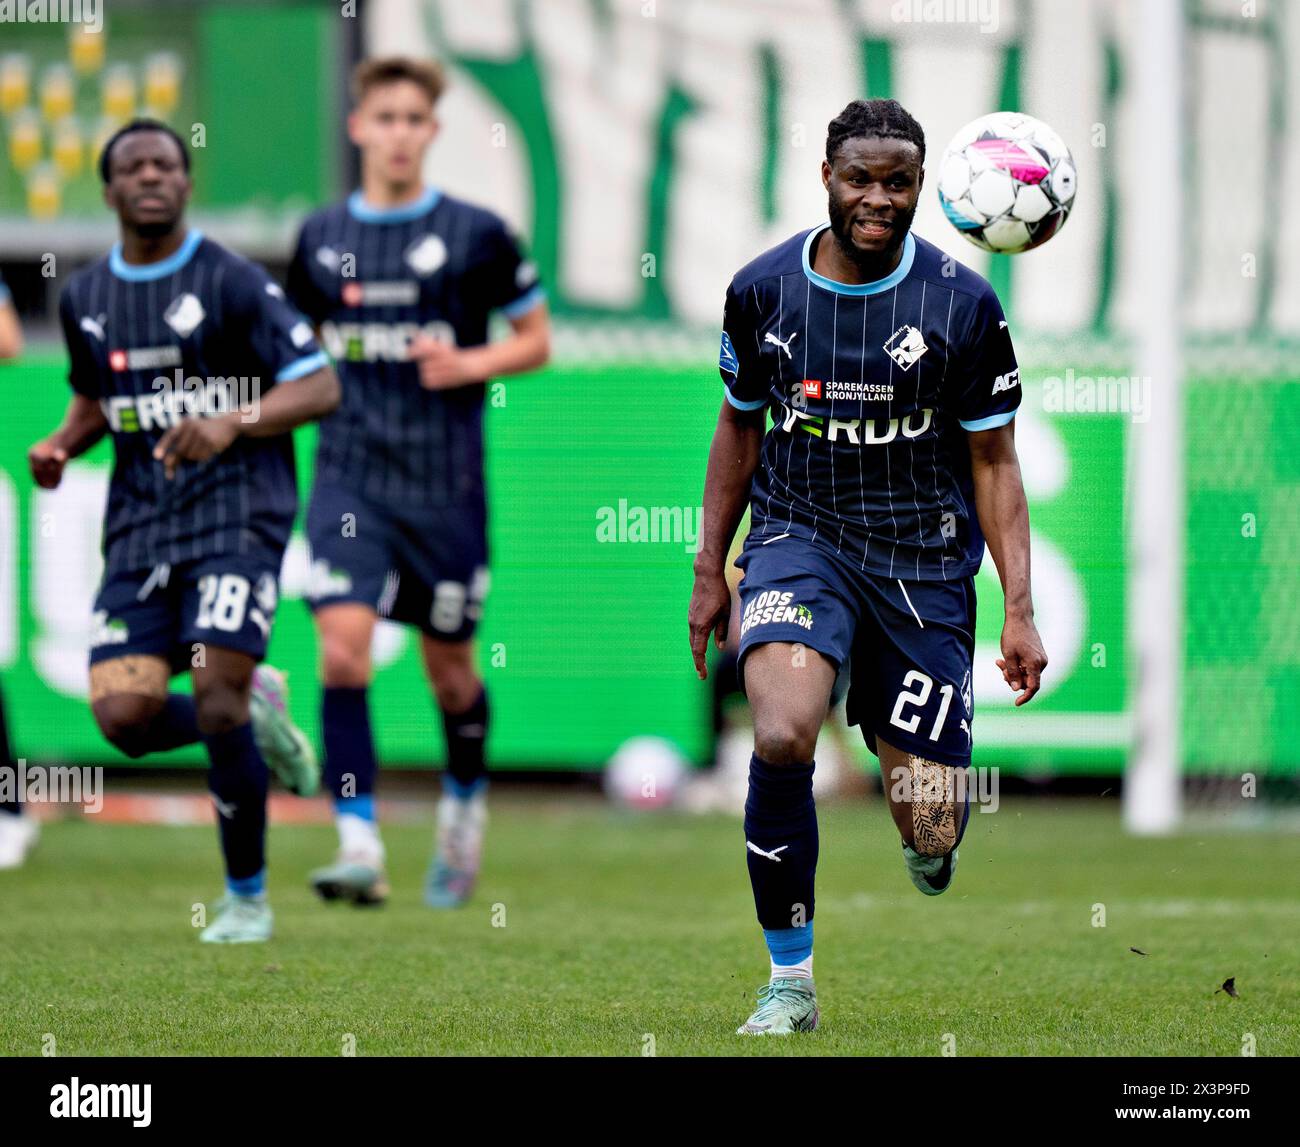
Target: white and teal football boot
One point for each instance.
(283, 745)
(784, 1007)
(353, 877)
(931, 874)
(239, 920)
(458, 850)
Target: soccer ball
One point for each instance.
(1007, 182)
(645, 773)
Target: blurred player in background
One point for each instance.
(893, 388)
(163, 337)
(401, 280)
(17, 832)
(11, 333)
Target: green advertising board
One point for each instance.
(595, 475)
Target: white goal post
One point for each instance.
(1155, 535)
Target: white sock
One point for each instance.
(359, 837)
(800, 971)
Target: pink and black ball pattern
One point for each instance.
(1007, 182)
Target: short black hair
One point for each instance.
(138, 125)
(871, 118)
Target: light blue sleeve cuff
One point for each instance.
(989, 423)
(5, 296)
(525, 303)
(762, 402)
(302, 366)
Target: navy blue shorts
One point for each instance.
(225, 601)
(908, 645)
(426, 568)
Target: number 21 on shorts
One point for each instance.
(906, 699)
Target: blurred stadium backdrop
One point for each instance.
(646, 149)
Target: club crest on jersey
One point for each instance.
(905, 346)
(426, 255)
(185, 314)
(727, 360)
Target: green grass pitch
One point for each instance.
(601, 933)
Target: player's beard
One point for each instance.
(867, 261)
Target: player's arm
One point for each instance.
(83, 425)
(1004, 518)
(733, 458)
(528, 347)
(285, 407)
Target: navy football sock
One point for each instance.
(466, 733)
(781, 844)
(238, 779)
(174, 725)
(350, 764)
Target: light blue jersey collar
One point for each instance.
(896, 276)
(145, 272)
(358, 208)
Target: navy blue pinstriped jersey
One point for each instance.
(200, 333)
(871, 390)
(374, 278)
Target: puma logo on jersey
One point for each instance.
(785, 346)
(749, 844)
(94, 326)
(1007, 381)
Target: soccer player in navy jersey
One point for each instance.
(892, 386)
(401, 280)
(191, 358)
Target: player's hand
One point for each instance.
(47, 461)
(195, 440)
(441, 365)
(1023, 660)
(710, 612)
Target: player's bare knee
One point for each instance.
(124, 719)
(936, 814)
(456, 686)
(785, 741)
(344, 664)
(219, 708)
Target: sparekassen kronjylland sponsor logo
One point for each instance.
(830, 388)
(22, 783)
(78, 1100)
